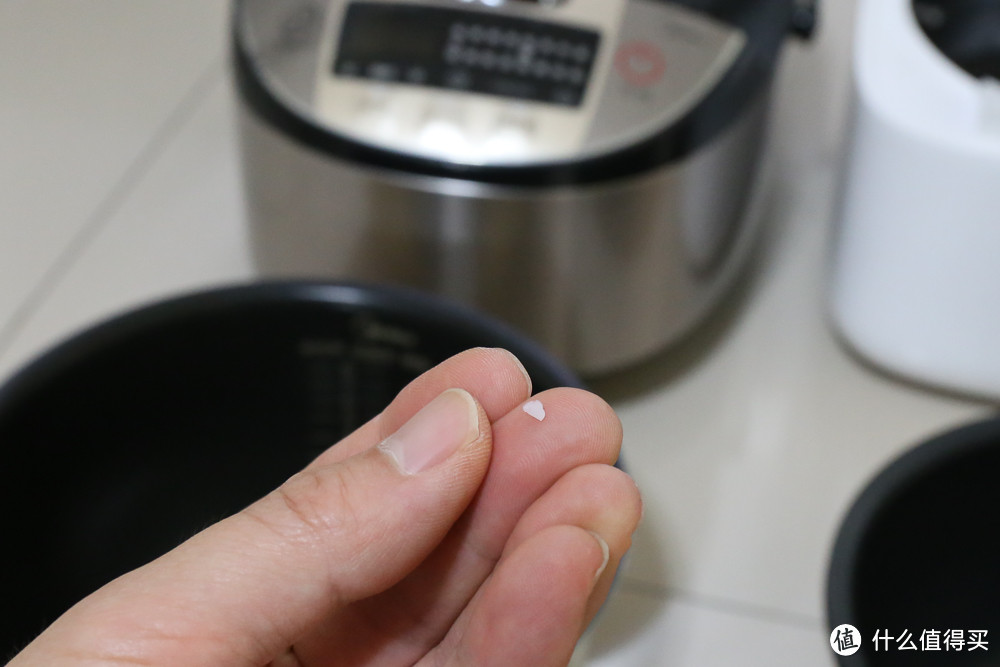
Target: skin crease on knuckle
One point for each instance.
(307, 497)
(299, 515)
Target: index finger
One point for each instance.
(493, 375)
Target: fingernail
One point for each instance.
(605, 550)
(440, 429)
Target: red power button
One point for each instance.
(640, 63)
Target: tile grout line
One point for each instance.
(133, 174)
(722, 604)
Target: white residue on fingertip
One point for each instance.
(535, 409)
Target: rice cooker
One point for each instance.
(585, 169)
(916, 281)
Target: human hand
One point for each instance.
(452, 529)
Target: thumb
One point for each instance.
(247, 588)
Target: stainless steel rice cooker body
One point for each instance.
(583, 169)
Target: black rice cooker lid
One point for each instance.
(276, 75)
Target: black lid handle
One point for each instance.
(805, 16)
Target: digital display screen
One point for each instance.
(373, 33)
(471, 51)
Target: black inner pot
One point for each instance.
(131, 437)
(919, 551)
(966, 31)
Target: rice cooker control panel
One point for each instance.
(514, 82)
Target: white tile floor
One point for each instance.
(119, 184)
(90, 94)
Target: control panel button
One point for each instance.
(641, 63)
(374, 100)
(382, 71)
(458, 79)
(521, 122)
(440, 131)
(417, 75)
(668, 59)
(443, 135)
(497, 54)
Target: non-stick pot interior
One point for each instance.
(124, 442)
(918, 552)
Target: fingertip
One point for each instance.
(534, 608)
(504, 364)
(512, 358)
(604, 416)
(596, 497)
(580, 417)
(493, 376)
(617, 490)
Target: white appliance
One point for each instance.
(916, 281)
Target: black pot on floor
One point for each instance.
(112, 445)
(917, 559)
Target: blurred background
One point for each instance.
(120, 184)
